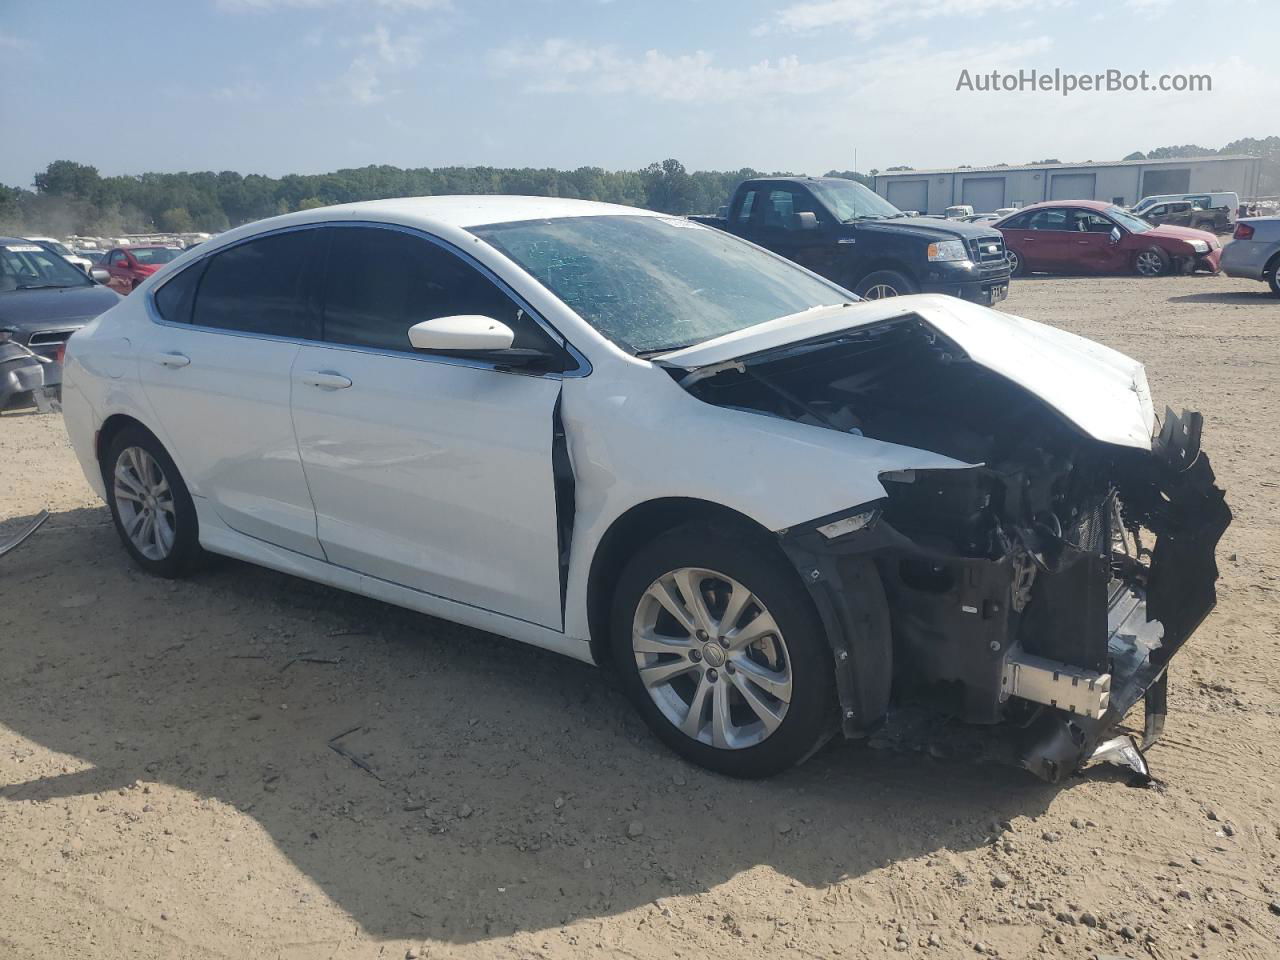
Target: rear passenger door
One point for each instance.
(216, 369)
(433, 472)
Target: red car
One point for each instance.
(1088, 236)
(129, 266)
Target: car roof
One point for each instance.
(475, 210)
(1085, 204)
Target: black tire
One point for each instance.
(1017, 266)
(185, 554)
(1273, 278)
(812, 714)
(1151, 255)
(874, 283)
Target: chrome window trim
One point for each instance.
(582, 368)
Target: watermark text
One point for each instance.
(1031, 80)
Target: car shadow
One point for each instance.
(433, 780)
(1237, 297)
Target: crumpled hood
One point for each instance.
(1174, 232)
(1101, 391)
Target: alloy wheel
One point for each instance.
(712, 658)
(1149, 263)
(879, 291)
(1013, 261)
(144, 501)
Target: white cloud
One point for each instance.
(242, 6)
(1148, 7)
(867, 17)
(9, 42)
(381, 56)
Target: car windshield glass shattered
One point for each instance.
(1128, 220)
(657, 283)
(848, 200)
(29, 266)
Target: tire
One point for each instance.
(884, 283)
(135, 486)
(1017, 266)
(1273, 278)
(1151, 262)
(794, 660)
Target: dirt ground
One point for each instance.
(168, 786)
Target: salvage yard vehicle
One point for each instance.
(43, 300)
(856, 238)
(1254, 252)
(776, 511)
(1213, 211)
(129, 266)
(1089, 236)
(62, 250)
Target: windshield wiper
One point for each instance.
(45, 286)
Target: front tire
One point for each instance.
(150, 505)
(1151, 262)
(1273, 278)
(884, 283)
(722, 653)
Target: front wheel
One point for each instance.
(721, 651)
(1273, 278)
(884, 283)
(1151, 262)
(150, 505)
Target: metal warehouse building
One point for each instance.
(1123, 182)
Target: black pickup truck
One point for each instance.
(847, 233)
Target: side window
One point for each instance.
(1158, 211)
(175, 299)
(1019, 222)
(258, 287)
(118, 259)
(381, 282)
(1055, 218)
(748, 204)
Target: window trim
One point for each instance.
(582, 368)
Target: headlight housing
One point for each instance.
(948, 250)
(1199, 246)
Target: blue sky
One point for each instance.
(280, 86)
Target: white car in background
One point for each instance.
(62, 250)
(774, 509)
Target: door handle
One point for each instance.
(171, 360)
(325, 381)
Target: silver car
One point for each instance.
(1254, 251)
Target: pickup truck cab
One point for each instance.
(856, 238)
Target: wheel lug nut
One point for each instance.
(711, 675)
(724, 642)
(701, 635)
(695, 655)
(729, 668)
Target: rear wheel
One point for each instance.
(1273, 278)
(721, 651)
(884, 283)
(1016, 265)
(1151, 262)
(150, 505)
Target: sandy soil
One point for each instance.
(168, 788)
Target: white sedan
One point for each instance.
(776, 510)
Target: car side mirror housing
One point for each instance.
(1115, 234)
(99, 275)
(464, 333)
(806, 220)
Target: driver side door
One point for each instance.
(432, 472)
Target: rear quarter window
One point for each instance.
(176, 298)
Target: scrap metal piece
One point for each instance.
(12, 542)
(1073, 689)
(1123, 751)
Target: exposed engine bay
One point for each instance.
(1045, 585)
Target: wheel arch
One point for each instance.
(883, 263)
(639, 525)
(111, 428)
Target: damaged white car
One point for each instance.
(778, 512)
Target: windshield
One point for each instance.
(154, 254)
(29, 266)
(1128, 220)
(849, 200)
(652, 284)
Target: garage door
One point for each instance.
(909, 194)
(1157, 182)
(1071, 186)
(984, 194)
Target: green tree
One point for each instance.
(175, 220)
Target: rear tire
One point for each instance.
(1151, 262)
(1017, 266)
(764, 701)
(884, 283)
(150, 505)
(1273, 278)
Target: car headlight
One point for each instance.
(1199, 246)
(948, 250)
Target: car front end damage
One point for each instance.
(1044, 583)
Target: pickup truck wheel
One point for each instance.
(721, 651)
(884, 283)
(1151, 262)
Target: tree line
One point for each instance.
(74, 198)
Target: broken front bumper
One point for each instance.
(1065, 657)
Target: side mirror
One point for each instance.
(463, 333)
(1115, 234)
(99, 275)
(806, 220)
(6, 334)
